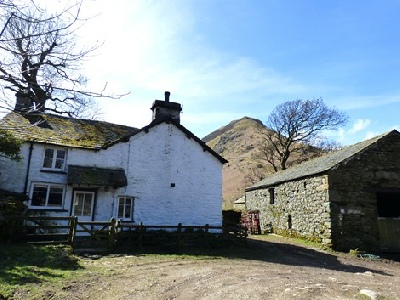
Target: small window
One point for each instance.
(54, 159)
(47, 195)
(271, 195)
(125, 208)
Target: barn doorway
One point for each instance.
(388, 204)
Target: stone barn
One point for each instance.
(348, 199)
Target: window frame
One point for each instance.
(132, 208)
(48, 187)
(54, 159)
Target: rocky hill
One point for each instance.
(240, 142)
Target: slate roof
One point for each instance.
(63, 131)
(81, 133)
(96, 176)
(321, 164)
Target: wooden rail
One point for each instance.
(107, 234)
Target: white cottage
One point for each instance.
(161, 174)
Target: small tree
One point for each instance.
(296, 126)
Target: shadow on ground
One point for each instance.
(253, 249)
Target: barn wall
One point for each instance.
(301, 208)
(353, 193)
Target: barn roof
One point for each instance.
(321, 164)
(81, 133)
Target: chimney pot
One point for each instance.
(167, 94)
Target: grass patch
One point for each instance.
(23, 264)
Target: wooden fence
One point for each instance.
(108, 234)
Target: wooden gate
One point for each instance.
(253, 222)
(94, 234)
(389, 233)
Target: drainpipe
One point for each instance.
(29, 166)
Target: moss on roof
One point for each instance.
(81, 133)
(63, 131)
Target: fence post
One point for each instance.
(206, 228)
(140, 237)
(179, 235)
(72, 230)
(111, 237)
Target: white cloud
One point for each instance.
(348, 136)
(151, 47)
(359, 125)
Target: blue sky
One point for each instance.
(226, 59)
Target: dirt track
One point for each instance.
(277, 269)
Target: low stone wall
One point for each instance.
(301, 208)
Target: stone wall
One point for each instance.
(353, 193)
(301, 208)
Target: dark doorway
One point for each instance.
(388, 204)
(389, 221)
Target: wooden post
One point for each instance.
(206, 228)
(111, 237)
(73, 221)
(140, 236)
(179, 231)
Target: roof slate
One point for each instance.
(81, 133)
(320, 164)
(63, 131)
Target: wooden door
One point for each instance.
(83, 205)
(389, 234)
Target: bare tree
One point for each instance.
(40, 60)
(295, 127)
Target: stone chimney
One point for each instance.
(164, 110)
(24, 102)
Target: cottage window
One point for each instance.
(271, 195)
(47, 195)
(125, 208)
(54, 159)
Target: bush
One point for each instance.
(11, 204)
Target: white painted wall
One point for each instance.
(163, 156)
(13, 173)
(152, 162)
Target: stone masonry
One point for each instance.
(334, 200)
(301, 208)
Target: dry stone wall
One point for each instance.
(301, 208)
